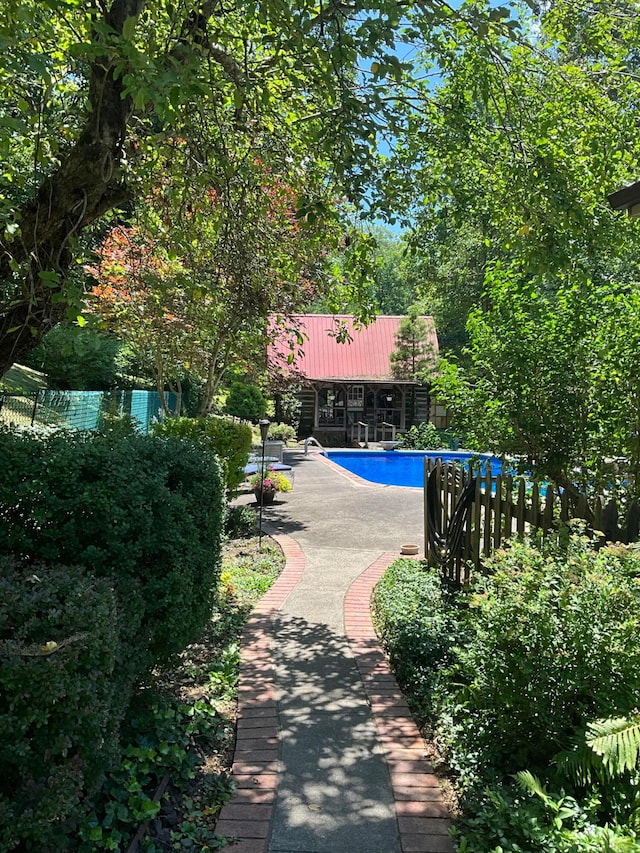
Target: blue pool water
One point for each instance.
(399, 467)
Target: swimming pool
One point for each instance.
(399, 467)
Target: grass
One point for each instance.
(21, 378)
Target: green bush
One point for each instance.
(240, 522)
(422, 437)
(554, 644)
(510, 672)
(245, 401)
(281, 432)
(60, 702)
(77, 358)
(230, 440)
(412, 611)
(145, 511)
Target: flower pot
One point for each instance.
(265, 497)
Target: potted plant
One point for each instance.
(265, 488)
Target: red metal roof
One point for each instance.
(321, 356)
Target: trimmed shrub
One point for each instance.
(245, 401)
(60, 702)
(145, 510)
(230, 440)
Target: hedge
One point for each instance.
(230, 440)
(61, 701)
(145, 511)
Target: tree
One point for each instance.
(511, 156)
(552, 382)
(514, 154)
(136, 297)
(191, 288)
(80, 359)
(245, 401)
(91, 94)
(413, 356)
(395, 275)
(450, 263)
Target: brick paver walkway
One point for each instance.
(421, 812)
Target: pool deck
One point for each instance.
(328, 758)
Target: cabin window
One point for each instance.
(355, 397)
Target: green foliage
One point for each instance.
(231, 441)
(245, 401)
(395, 274)
(145, 511)
(552, 378)
(520, 254)
(118, 424)
(240, 522)
(158, 738)
(165, 100)
(422, 437)
(527, 391)
(281, 432)
(508, 671)
(504, 820)
(164, 735)
(412, 612)
(287, 405)
(248, 573)
(413, 356)
(451, 265)
(617, 742)
(61, 698)
(274, 481)
(608, 749)
(524, 691)
(76, 358)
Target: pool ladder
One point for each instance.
(312, 440)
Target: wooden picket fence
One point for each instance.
(498, 507)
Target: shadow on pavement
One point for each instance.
(334, 792)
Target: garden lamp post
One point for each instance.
(264, 430)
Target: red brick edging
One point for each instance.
(423, 818)
(247, 816)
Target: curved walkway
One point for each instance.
(328, 758)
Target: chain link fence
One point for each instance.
(80, 409)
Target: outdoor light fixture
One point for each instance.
(264, 425)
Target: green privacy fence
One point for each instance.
(80, 409)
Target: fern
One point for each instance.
(580, 764)
(532, 785)
(605, 751)
(617, 742)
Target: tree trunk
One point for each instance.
(83, 188)
(86, 185)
